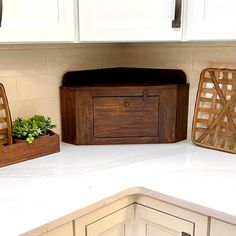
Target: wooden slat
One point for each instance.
(204, 99)
(230, 93)
(1, 106)
(201, 129)
(226, 135)
(223, 134)
(207, 80)
(208, 90)
(202, 121)
(3, 131)
(3, 119)
(220, 81)
(225, 81)
(3, 141)
(232, 113)
(208, 110)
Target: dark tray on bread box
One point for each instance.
(124, 105)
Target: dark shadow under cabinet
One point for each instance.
(124, 105)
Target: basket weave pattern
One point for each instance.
(5, 119)
(214, 123)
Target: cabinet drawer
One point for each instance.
(125, 116)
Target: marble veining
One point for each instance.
(35, 192)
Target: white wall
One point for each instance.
(32, 74)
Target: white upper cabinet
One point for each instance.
(38, 21)
(27, 21)
(210, 20)
(130, 20)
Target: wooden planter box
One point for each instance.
(23, 151)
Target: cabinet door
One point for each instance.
(119, 223)
(119, 117)
(37, 21)
(210, 19)
(64, 230)
(150, 222)
(219, 228)
(128, 20)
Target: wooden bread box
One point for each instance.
(124, 105)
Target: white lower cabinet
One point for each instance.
(158, 218)
(63, 230)
(143, 217)
(139, 215)
(150, 222)
(219, 228)
(119, 223)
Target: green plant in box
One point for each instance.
(29, 129)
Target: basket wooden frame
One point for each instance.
(214, 123)
(5, 119)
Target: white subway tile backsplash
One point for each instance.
(62, 60)
(31, 87)
(165, 57)
(129, 56)
(193, 79)
(222, 57)
(109, 56)
(16, 62)
(10, 85)
(55, 113)
(26, 109)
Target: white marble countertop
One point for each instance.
(42, 190)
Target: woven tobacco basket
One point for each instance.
(214, 123)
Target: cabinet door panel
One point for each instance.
(210, 19)
(101, 223)
(117, 224)
(219, 228)
(126, 20)
(33, 20)
(64, 230)
(125, 117)
(29, 13)
(150, 222)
